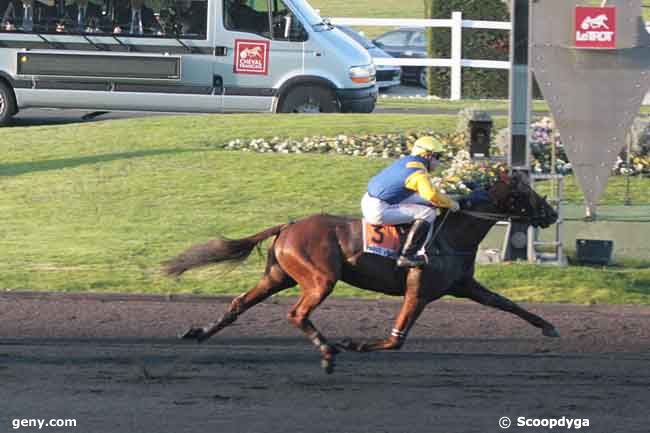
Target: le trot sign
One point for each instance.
(595, 27)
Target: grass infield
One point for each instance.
(98, 206)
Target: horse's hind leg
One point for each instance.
(273, 281)
(477, 292)
(299, 317)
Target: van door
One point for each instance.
(264, 41)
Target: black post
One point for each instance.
(519, 84)
(516, 242)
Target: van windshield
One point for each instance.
(308, 12)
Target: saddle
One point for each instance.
(384, 239)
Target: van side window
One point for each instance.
(83, 16)
(286, 27)
(187, 18)
(151, 18)
(250, 16)
(28, 16)
(135, 18)
(8, 14)
(253, 16)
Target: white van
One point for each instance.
(178, 56)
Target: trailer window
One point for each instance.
(151, 18)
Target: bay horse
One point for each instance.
(319, 250)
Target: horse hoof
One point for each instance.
(550, 332)
(345, 345)
(327, 365)
(351, 346)
(192, 334)
(329, 350)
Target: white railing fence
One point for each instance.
(456, 62)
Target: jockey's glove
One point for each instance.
(455, 206)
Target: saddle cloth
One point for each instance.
(384, 240)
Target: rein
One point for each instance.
(438, 252)
(491, 216)
(442, 223)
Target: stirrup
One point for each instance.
(412, 261)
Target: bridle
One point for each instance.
(507, 215)
(489, 216)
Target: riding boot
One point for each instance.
(414, 241)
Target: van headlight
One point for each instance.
(363, 74)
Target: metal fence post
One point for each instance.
(456, 55)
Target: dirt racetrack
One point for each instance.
(113, 364)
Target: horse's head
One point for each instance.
(513, 196)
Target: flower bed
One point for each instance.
(543, 134)
(463, 174)
(459, 170)
(368, 145)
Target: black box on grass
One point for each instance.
(594, 251)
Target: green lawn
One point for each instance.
(444, 105)
(447, 106)
(366, 9)
(614, 194)
(98, 206)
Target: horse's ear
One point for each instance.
(520, 181)
(499, 191)
(521, 176)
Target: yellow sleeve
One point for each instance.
(419, 181)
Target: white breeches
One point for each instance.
(376, 211)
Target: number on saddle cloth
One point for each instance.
(384, 240)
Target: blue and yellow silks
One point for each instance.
(404, 177)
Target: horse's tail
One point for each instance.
(217, 251)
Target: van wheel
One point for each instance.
(309, 99)
(7, 103)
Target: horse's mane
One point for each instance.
(478, 196)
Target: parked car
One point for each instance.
(387, 75)
(407, 43)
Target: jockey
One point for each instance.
(402, 193)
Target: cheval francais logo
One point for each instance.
(251, 57)
(595, 27)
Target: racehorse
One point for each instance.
(319, 250)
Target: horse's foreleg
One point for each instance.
(410, 311)
(272, 282)
(415, 299)
(479, 293)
